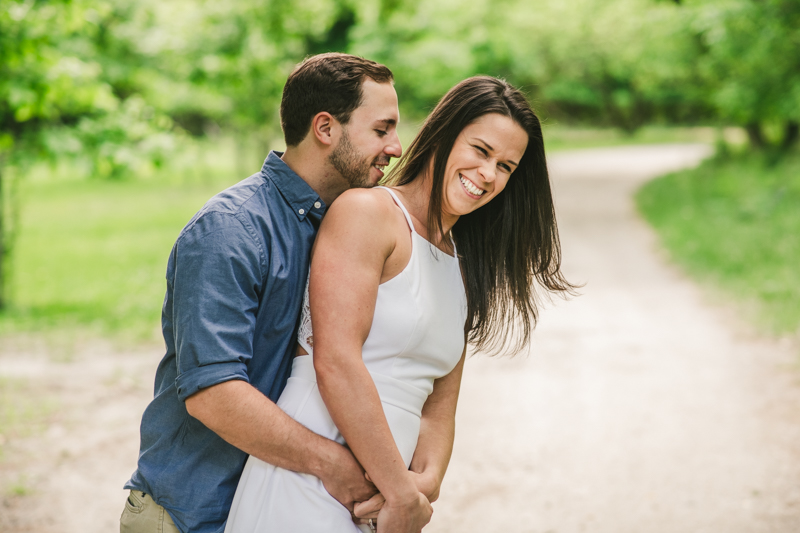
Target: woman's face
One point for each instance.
(483, 157)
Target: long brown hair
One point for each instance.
(508, 244)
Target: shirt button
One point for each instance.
(302, 211)
(317, 205)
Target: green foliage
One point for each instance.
(749, 65)
(96, 68)
(735, 223)
(66, 82)
(751, 62)
(115, 89)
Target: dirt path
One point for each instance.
(641, 408)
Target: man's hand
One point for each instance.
(365, 510)
(405, 517)
(345, 480)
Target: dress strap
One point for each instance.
(400, 205)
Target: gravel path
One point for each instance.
(640, 408)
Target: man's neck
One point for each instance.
(313, 167)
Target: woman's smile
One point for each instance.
(472, 190)
(481, 162)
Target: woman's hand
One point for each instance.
(426, 484)
(408, 515)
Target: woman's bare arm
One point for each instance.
(437, 431)
(358, 236)
(435, 444)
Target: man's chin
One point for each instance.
(366, 182)
(375, 176)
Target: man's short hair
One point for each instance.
(329, 82)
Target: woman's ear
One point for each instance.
(322, 126)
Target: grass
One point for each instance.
(20, 488)
(559, 138)
(735, 223)
(92, 254)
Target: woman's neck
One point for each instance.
(417, 196)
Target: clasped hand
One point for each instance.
(410, 517)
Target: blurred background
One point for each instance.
(119, 119)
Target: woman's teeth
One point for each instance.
(471, 188)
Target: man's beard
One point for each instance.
(350, 164)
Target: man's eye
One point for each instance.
(381, 133)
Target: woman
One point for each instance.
(399, 277)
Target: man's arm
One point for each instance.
(216, 273)
(245, 418)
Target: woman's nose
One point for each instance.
(488, 171)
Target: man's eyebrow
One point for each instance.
(489, 146)
(388, 121)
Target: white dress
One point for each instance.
(417, 336)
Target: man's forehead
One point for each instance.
(379, 95)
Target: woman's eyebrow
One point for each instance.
(489, 146)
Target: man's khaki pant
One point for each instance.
(143, 515)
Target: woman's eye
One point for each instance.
(505, 167)
(481, 150)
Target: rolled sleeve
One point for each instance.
(217, 278)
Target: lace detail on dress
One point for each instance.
(305, 337)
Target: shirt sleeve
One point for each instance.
(217, 279)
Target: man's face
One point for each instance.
(369, 140)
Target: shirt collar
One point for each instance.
(303, 200)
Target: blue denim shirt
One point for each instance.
(235, 282)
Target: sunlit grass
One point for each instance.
(91, 254)
(736, 224)
(559, 137)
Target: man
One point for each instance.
(235, 281)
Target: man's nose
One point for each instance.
(393, 147)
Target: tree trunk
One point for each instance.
(790, 134)
(755, 135)
(3, 244)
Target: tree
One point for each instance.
(751, 65)
(64, 92)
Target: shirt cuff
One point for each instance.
(203, 377)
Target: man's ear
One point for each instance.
(322, 126)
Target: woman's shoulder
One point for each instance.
(373, 205)
(363, 219)
(374, 198)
